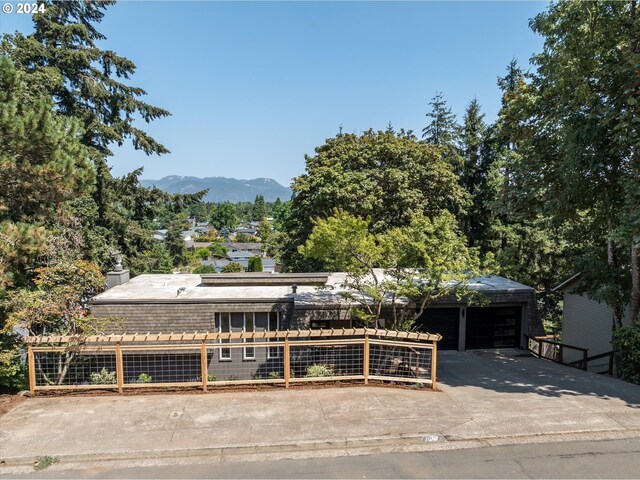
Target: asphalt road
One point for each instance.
(592, 459)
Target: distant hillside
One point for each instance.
(223, 189)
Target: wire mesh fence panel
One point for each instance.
(250, 359)
(244, 362)
(410, 363)
(161, 366)
(75, 368)
(332, 361)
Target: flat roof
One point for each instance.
(312, 288)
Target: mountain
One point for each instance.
(223, 189)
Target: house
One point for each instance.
(239, 255)
(160, 235)
(268, 264)
(188, 302)
(189, 235)
(256, 302)
(586, 323)
(248, 231)
(254, 247)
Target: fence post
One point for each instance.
(584, 360)
(365, 365)
(287, 362)
(434, 361)
(204, 367)
(539, 348)
(119, 367)
(32, 370)
(561, 354)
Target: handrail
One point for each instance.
(581, 363)
(184, 336)
(553, 342)
(560, 355)
(601, 355)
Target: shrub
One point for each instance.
(255, 264)
(626, 344)
(204, 269)
(104, 377)
(274, 375)
(232, 267)
(144, 378)
(319, 371)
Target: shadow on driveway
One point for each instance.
(515, 371)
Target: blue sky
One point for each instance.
(253, 87)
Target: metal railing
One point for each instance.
(552, 350)
(555, 351)
(208, 360)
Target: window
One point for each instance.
(249, 326)
(223, 322)
(274, 324)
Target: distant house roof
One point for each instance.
(240, 254)
(568, 284)
(189, 233)
(194, 244)
(249, 231)
(243, 245)
(158, 238)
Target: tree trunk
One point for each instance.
(635, 281)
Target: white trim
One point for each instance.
(219, 321)
(244, 328)
(276, 349)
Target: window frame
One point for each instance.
(219, 317)
(249, 340)
(278, 350)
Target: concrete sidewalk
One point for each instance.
(486, 398)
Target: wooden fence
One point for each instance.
(208, 360)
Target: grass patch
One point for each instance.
(44, 462)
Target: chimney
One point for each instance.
(117, 276)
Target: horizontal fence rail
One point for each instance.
(558, 352)
(237, 358)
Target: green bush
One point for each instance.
(145, 378)
(626, 344)
(204, 269)
(232, 267)
(104, 377)
(255, 264)
(319, 371)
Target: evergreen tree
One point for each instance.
(443, 131)
(259, 210)
(61, 59)
(174, 243)
(471, 176)
(255, 264)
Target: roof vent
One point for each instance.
(294, 288)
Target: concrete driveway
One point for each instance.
(487, 398)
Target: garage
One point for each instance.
(493, 327)
(444, 321)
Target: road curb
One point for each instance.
(298, 450)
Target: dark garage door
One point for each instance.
(493, 327)
(444, 321)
